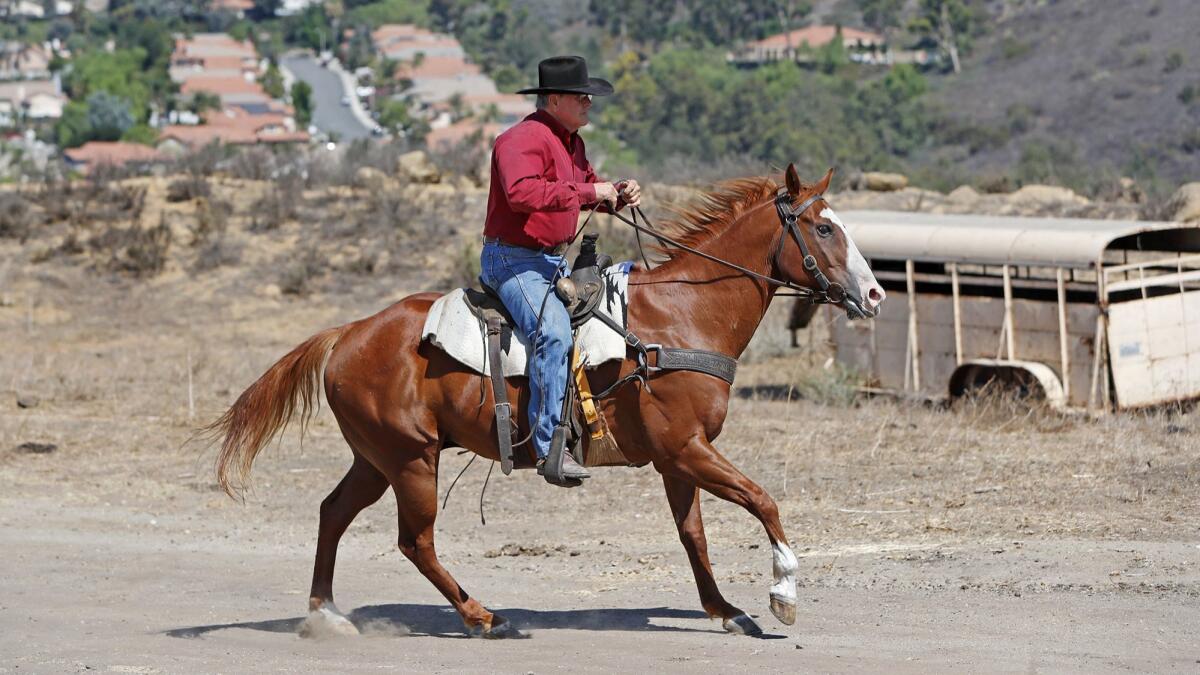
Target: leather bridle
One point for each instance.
(830, 292)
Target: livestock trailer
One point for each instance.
(1096, 314)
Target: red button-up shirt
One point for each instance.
(540, 179)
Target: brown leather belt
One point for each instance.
(558, 249)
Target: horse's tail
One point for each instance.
(266, 407)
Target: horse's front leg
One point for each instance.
(701, 464)
(684, 498)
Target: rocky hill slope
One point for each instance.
(1083, 91)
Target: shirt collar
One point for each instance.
(553, 124)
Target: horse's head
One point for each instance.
(811, 228)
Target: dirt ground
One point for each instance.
(982, 538)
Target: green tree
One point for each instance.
(311, 28)
(108, 116)
(360, 49)
(265, 9)
(140, 133)
(949, 24)
(302, 102)
(72, 129)
(374, 14)
(118, 73)
(396, 116)
(690, 103)
(203, 101)
(881, 15)
(272, 81)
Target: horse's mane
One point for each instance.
(715, 210)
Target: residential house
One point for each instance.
(45, 106)
(433, 65)
(213, 55)
(90, 155)
(507, 109)
(290, 7)
(232, 126)
(797, 45)
(32, 9)
(438, 78)
(217, 64)
(460, 101)
(395, 38)
(30, 100)
(20, 61)
(449, 137)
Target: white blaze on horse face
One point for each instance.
(862, 280)
(784, 566)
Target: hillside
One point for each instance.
(1078, 86)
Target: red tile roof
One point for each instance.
(220, 85)
(233, 5)
(115, 153)
(234, 126)
(437, 67)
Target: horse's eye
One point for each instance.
(824, 230)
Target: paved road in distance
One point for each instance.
(329, 115)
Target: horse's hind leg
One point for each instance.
(684, 498)
(415, 485)
(362, 486)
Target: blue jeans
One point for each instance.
(522, 278)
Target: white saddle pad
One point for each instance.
(453, 328)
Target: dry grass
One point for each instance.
(111, 372)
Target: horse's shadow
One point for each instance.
(442, 621)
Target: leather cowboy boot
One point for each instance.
(559, 467)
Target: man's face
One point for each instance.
(571, 109)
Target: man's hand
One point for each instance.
(607, 193)
(631, 192)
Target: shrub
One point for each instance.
(139, 251)
(1191, 141)
(192, 186)
(218, 253)
(1012, 48)
(1020, 117)
(17, 216)
(1173, 62)
(280, 203)
(836, 385)
(995, 184)
(212, 216)
(298, 275)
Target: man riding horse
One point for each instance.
(541, 178)
(400, 400)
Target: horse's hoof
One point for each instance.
(742, 624)
(783, 610)
(501, 629)
(327, 621)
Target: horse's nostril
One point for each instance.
(875, 295)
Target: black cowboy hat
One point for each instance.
(567, 75)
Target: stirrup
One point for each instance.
(552, 467)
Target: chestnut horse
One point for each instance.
(399, 401)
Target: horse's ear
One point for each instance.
(793, 181)
(823, 185)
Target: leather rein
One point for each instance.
(830, 292)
